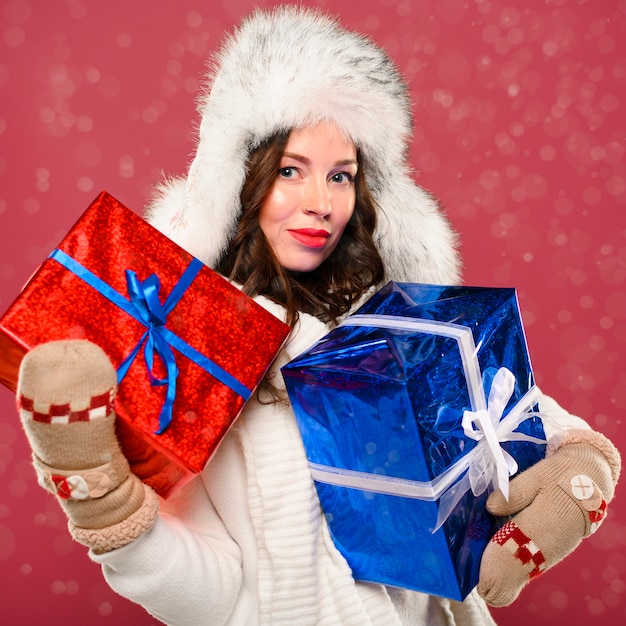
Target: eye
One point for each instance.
(342, 177)
(288, 171)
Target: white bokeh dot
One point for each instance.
(609, 102)
(606, 44)
(31, 206)
(561, 239)
(564, 316)
(558, 600)
(93, 75)
(57, 587)
(176, 49)
(105, 609)
(109, 86)
(597, 343)
(586, 302)
(77, 9)
(592, 196)
(71, 587)
(550, 48)
(547, 153)
(535, 186)
(529, 318)
(84, 123)
(595, 607)
(14, 36)
(606, 322)
(126, 166)
(173, 67)
(85, 184)
(513, 89)
(616, 186)
(564, 206)
(149, 115)
(26, 569)
(194, 19)
(124, 40)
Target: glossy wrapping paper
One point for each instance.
(383, 401)
(225, 332)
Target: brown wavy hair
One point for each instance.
(327, 292)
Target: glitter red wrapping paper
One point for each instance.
(212, 316)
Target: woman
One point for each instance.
(300, 192)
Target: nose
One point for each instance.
(317, 197)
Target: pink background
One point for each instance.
(520, 130)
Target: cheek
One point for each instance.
(274, 220)
(345, 214)
(274, 211)
(279, 203)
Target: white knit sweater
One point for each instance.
(246, 541)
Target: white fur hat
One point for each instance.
(285, 68)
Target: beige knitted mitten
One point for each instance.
(65, 398)
(556, 504)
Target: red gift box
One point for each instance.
(117, 281)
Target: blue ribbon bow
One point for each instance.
(145, 306)
(145, 297)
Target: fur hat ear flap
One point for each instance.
(286, 68)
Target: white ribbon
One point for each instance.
(487, 463)
(495, 460)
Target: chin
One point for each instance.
(303, 263)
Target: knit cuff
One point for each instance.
(82, 484)
(593, 438)
(102, 540)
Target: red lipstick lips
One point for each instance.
(310, 237)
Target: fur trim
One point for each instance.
(285, 68)
(593, 438)
(102, 540)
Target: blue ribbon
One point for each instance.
(145, 306)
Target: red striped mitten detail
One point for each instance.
(513, 539)
(65, 397)
(554, 504)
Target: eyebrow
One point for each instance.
(307, 161)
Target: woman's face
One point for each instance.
(313, 197)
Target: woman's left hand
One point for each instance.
(555, 504)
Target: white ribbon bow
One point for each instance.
(493, 461)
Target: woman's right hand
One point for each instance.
(65, 399)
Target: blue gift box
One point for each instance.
(412, 411)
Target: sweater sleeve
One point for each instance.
(197, 563)
(186, 570)
(556, 418)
